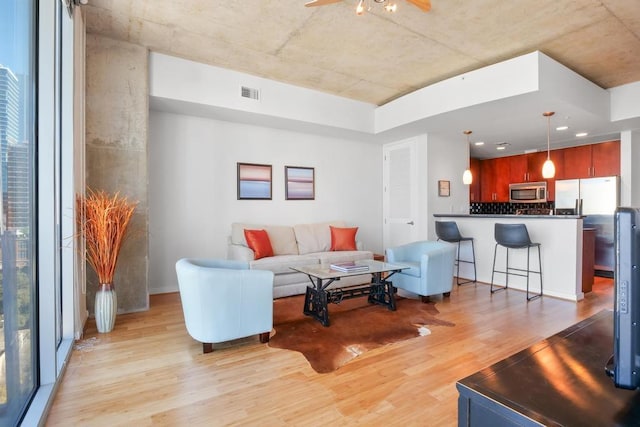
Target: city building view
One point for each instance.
(17, 296)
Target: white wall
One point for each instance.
(630, 175)
(204, 84)
(624, 101)
(447, 160)
(193, 193)
(498, 81)
(439, 158)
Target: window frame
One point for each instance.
(55, 242)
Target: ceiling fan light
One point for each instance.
(360, 8)
(548, 169)
(391, 7)
(467, 178)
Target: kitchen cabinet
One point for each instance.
(534, 166)
(527, 167)
(495, 179)
(487, 179)
(588, 258)
(606, 158)
(586, 161)
(551, 190)
(518, 169)
(474, 188)
(557, 157)
(595, 160)
(577, 162)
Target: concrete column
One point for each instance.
(117, 114)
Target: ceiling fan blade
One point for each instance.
(313, 3)
(425, 5)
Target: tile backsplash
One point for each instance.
(504, 208)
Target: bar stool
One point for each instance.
(515, 236)
(448, 232)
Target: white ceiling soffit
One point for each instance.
(500, 103)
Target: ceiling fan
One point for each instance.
(390, 6)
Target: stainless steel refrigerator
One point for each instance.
(596, 199)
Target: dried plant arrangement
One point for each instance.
(102, 219)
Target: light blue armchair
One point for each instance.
(224, 300)
(431, 267)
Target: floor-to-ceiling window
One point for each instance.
(18, 299)
(36, 204)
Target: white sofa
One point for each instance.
(293, 246)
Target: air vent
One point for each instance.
(251, 93)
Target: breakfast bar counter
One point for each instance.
(560, 239)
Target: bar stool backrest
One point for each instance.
(448, 231)
(512, 235)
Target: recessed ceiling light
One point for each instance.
(501, 145)
(479, 143)
(562, 128)
(581, 134)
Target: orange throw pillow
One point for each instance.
(258, 241)
(343, 239)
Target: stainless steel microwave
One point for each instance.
(528, 192)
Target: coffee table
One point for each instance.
(380, 290)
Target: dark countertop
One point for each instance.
(507, 216)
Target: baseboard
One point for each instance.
(163, 290)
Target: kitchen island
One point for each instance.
(560, 237)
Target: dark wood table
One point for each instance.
(379, 291)
(560, 381)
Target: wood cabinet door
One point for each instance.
(474, 188)
(518, 169)
(551, 190)
(534, 166)
(487, 180)
(502, 179)
(557, 156)
(577, 162)
(606, 158)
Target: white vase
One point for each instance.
(106, 307)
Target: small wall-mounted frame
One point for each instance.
(444, 188)
(299, 183)
(254, 181)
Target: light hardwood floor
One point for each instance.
(148, 371)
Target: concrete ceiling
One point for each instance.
(380, 56)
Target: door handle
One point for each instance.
(410, 223)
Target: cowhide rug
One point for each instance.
(355, 327)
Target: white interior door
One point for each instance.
(400, 199)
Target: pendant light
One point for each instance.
(467, 177)
(548, 168)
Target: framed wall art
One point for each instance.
(299, 183)
(254, 181)
(444, 188)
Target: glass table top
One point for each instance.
(324, 271)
